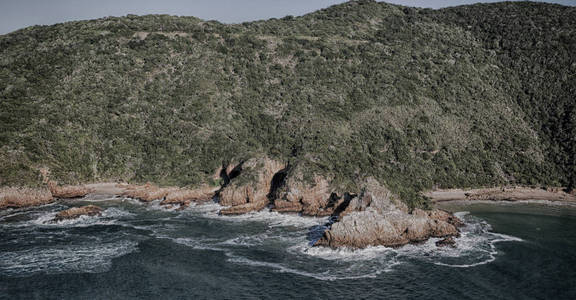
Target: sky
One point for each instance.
(16, 14)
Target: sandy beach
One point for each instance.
(499, 194)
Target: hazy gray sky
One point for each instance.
(16, 14)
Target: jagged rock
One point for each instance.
(75, 212)
(439, 215)
(184, 197)
(69, 191)
(377, 198)
(446, 242)
(249, 192)
(11, 197)
(376, 218)
(314, 199)
(147, 192)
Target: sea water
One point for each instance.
(142, 251)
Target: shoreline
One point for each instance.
(496, 195)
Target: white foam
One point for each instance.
(93, 258)
(273, 219)
(109, 216)
(195, 243)
(246, 240)
(328, 275)
(343, 253)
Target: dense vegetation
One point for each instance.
(466, 96)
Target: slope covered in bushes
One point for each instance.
(468, 96)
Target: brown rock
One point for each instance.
(75, 212)
(376, 217)
(69, 191)
(376, 197)
(24, 197)
(242, 209)
(184, 197)
(251, 187)
(446, 242)
(147, 192)
(310, 199)
(439, 215)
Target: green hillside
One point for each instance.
(467, 96)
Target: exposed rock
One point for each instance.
(249, 192)
(439, 215)
(446, 242)
(147, 192)
(184, 197)
(75, 212)
(24, 197)
(314, 199)
(242, 209)
(376, 217)
(377, 197)
(69, 191)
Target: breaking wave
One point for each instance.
(93, 258)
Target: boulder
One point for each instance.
(446, 242)
(147, 192)
(68, 191)
(11, 197)
(75, 212)
(183, 197)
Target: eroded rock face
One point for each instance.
(183, 197)
(446, 242)
(249, 192)
(147, 192)
(314, 199)
(69, 191)
(376, 218)
(24, 197)
(75, 212)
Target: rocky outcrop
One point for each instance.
(183, 197)
(315, 199)
(24, 197)
(249, 191)
(147, 192)
(75, 212)
(69, 191)
(376, 218)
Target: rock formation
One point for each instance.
(68, 191)
(24, 197)
(75, 212)
(183, 197)
(446, 242)
(147, 192)
(314, 199)
(250, 190)
(376, 218)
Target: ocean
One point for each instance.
(143, 251)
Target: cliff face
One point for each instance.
(413, 98)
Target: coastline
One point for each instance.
(494, 195)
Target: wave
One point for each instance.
(108, 217)
(93, 258)
(328, 275)
(272, 218)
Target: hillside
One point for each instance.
(469, 96)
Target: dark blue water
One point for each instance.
(136, 251)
